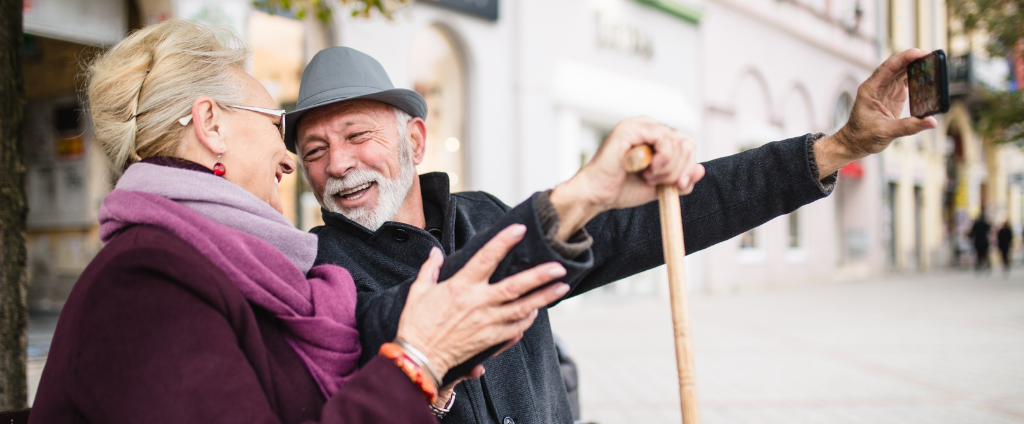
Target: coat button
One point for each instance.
(400, 235)
(508, 420)
(524, 263)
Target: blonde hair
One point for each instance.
(139, 88)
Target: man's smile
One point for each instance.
(354, 196)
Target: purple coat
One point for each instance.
(153, 332)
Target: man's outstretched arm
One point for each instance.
(740, 191)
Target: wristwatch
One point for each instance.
(441, 412)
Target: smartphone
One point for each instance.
(928, 81)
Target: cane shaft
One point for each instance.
(675, 251)
(637, 159)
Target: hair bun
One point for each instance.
(139, 88)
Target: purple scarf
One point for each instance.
(318, 309)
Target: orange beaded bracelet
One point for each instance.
(415, 372)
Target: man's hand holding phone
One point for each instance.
(874, 120)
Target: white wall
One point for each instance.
(542, 86)
(491, 152)
(527, 79)
(773, 71)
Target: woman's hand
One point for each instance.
(463, 316)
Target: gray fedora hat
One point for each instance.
(338, 74)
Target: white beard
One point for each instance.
(390, 193)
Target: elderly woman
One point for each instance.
(204, 305)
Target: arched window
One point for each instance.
(844, 105)
(438, 75)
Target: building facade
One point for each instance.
(520, 98)
(939, 182)
(522, 93)
(779, 69)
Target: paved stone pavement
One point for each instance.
(938, 348)
(935, 349)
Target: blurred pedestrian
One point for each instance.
(1004, 240)
(980, 233)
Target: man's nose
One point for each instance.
(341, 161)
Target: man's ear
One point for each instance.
(207, 120)
(416, 131)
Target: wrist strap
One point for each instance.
(415, 372)
(441, 412)
(420, 360)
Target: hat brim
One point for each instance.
(409, 101)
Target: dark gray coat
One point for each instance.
(523, 384)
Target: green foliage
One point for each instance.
(1001, 19)
(1001, 114)
(1001, 117)
(323, 9)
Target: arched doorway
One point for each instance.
(955, 202)
(439, 75)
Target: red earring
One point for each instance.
(218, 168)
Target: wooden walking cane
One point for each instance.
(637, 159)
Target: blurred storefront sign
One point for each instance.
(616, 35)
(853, 171)
(70, 148)
(682, 9)
(93, 22)
(487, 9)
(620, 96)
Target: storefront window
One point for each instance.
(842, 112)
(794, 230)
(748, 240)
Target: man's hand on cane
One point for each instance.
(604, 184)
(874, 120)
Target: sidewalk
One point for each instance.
(915, 349)
(939, 348)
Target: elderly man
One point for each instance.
(359, 139)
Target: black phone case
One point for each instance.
(464, 368)
(451, 265)
(943, 85)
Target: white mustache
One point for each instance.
(355, 179)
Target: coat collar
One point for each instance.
(438, 210)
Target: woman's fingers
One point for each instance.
(513, 287)
(482, 264)
(513, 329)
(429, 271)
(526, 306)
